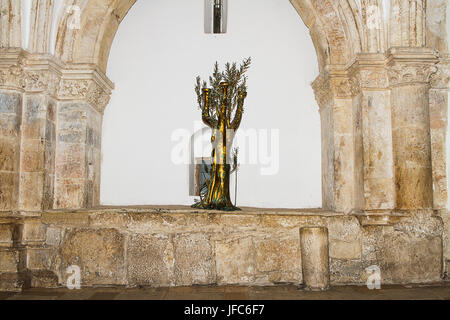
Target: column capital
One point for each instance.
(408, 66)
(368, 71)
(43, 73)
(440, 79)
(333, 83)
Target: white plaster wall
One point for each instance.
(159, 50)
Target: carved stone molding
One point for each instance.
(409, 73)
(407, 66)
(441, 79)
(84, 89)
(322, 91)
(25, 72)
(334, 84)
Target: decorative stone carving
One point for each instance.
(88, 90)
(19, 70)
(328, 87)
(13, 77)
(72, 89)
(322, 91)
(405, 73)
(441, 78)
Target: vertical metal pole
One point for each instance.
(217, 16)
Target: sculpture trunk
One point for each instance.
(218, 196)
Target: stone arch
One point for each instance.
(333, 24)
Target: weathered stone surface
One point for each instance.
(6, 235)
(9, 260)
(438, 127)
(98, 253)
(11, 282)
(10, 120)
(279, 259)
(53, 236)
(315, 257)
(412, 146)
(404, 258)
(72, 219)
(150, 260)
(235, 261)
(33, 231)
(345, 250)
(194, 259)
(41, 259)
(346, 271)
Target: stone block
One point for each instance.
(66, 219)
(9, 260)
(235, 261)
(11, 282)
(31, 191)
(194, 259)
(149, 259)
(41, 258)
(9, 189)
(345, 249)
(70, 193)
(53, 236)
(279, 259)
(6, 235)
(40, 279)
(33, 231)
(98, 253)
(10, 103)
(407, 258)
(9, 125)
(346, 272)
(9, 155)
(344, 228)
(315, 257)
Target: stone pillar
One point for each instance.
(78, 156)
(10, 278)
(315, 257)
(409, 76)
(10, 118)
(438, 128)
(38, 153)
(341, 176)
(78, 147)
(11, 93)
(370, 73)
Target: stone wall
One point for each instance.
(182, 247)
(383, 98)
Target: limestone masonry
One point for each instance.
(382, 92)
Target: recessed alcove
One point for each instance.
(153, 110)
(382, 93)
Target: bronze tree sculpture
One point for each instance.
(222, 108)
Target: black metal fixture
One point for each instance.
(216, 12)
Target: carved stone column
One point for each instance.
(438, 126)
(38, 133)
(374, 99)
(409, 73)
(341, 132)
(83, 95)
(51, 119)
(12, 85)
(315, 257)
